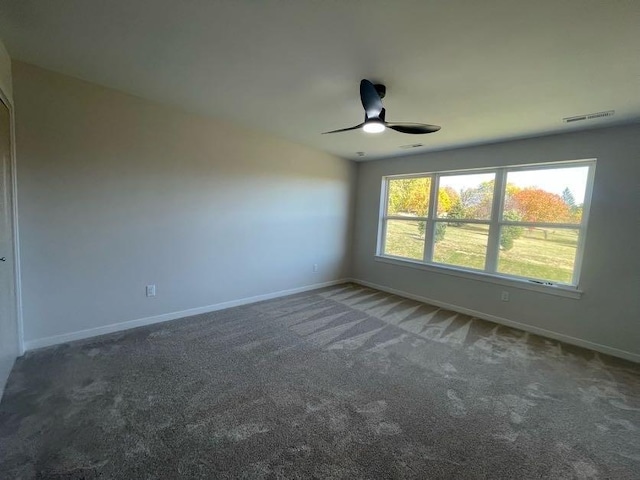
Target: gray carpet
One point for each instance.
(344, 382)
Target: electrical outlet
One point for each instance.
(315, 267)
(151, 290)
(505, 296)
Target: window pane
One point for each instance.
(466, 196)
(409, 196)
(464, 245)
(405, 238)
(543, 254)
(551, 195)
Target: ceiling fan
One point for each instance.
(371, 96)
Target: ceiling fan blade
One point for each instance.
(414, 128)
(370, 99)
(344, 129)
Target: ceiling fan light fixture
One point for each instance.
(373, 126)
(374, 114)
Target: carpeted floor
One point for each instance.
(344, 382)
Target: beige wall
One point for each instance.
(607, 316)
(116, 192)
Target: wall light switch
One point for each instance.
(151, 290)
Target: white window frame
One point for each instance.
(495, 222)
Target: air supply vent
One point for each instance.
(589, 116)
(412, 145)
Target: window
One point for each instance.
(524, 222)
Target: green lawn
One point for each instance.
(403, 240)
(532, 255)
(463, 246)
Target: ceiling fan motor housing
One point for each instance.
(379, 117)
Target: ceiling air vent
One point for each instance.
(589, 116)
(412, 145)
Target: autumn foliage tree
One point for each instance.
(444, 205)
(476, 202)
(537, 205)
(411, 196)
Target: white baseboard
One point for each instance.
(615, 352)
(141, 322)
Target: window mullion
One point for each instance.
(574, 226)
(430, 226)
(404, 218)
(493, 243)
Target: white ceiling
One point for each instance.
(484, 70)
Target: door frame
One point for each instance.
(14, 221)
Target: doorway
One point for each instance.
(9, 339)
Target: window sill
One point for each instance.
(557, 290)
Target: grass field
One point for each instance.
(532, 255)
